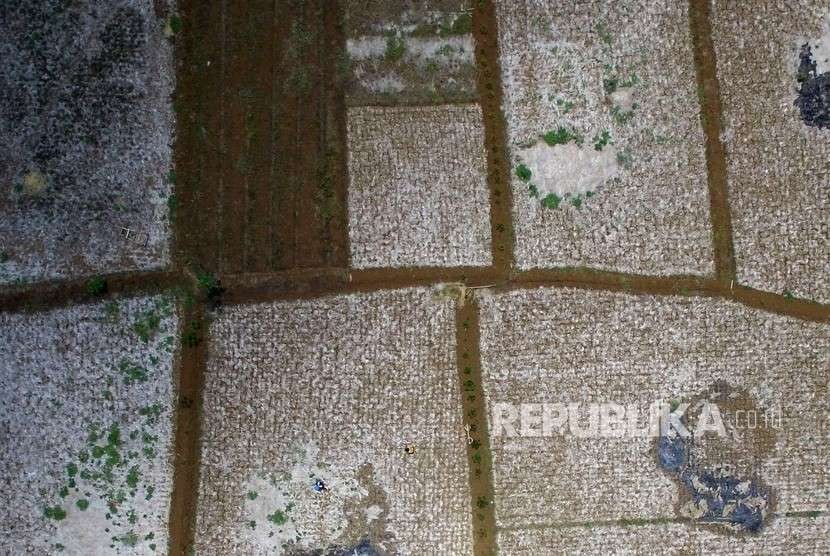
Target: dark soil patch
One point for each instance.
(814, 95)
(261, 143)
(718, 471)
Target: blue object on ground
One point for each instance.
(728, 499)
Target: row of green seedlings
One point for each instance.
(620, 116)
(564, 135)
(611, 85)
(476, 454)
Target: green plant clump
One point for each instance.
(147, 326)
(210, 286)
(561, 136)
(461, 25)
(192, 335)
(534, 191)
(172, 205)
(55, 512)
(395, 48)
(523, 172)
(277, 518)
(552, 200)
(96, 286)
(129, 539)
(175, 24)
(133, 476)
(601, 140)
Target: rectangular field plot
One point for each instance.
(309, 409)
(403, 52)
(86, 402)
(418, 191)
(778, 162)
(604, 136)
(766, 375)
(87, 127)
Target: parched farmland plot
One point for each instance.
(778, 162)
(309, 409)
(418, 191)
(402, 52)
(604, 136)
(86, 402)
(85, 127)
(581, 347)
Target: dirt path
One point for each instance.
(309, 167)
(199, 150)
(711, 120)
(334, 190)
(49, 295)
(485, 33)
(474, 411)
(258, 95)
(191, 371)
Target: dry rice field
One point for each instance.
(399, 53)
(86, 411)
(395, 252)
(86, 126)
(778, 167)
(601, 109)
(334, 389)
(567, 346)
(418, 187)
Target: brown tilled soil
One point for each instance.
(710, 119)
(485, 32)
(191, 365)
(261, 191)
(260, 159)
